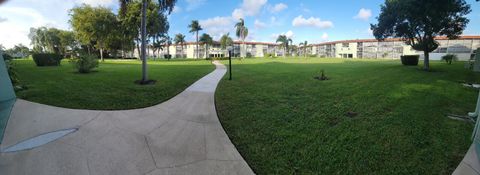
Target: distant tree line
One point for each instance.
(97, 30)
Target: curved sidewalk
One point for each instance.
(180, 136)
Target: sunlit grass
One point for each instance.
(111, 86)
(283, 121)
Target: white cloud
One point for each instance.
(248, 8)
(259, 24)
(217, 26)
(3, 19)
(15, 30)
(363, 14)
(305, 9)
(177, 9)
(324, 37)
(369, 31)
(194, 4)
(311, 22)
(278, 8)
(105, 3)
(288, 34)
(238, 13)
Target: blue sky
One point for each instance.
(312, 20)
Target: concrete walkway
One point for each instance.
(180, 136)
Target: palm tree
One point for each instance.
(179, 40)
(284, 42)
(168, 42)
(241, 32)
(207, 40)
(304, 44)
(165, 5)
(194, 28)
(225, 41)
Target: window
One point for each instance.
(345, 45)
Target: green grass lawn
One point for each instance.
(111, 86)
(283, 121)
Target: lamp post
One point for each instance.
(229, 48)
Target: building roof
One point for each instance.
(389, 40)
(235, 42)
(340, 41)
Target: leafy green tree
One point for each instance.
(45, 39)
(225, 41)
(304, 45)
(67, 41)
(19, 51)
(168, 42)
(93, 24)
(165, 6)
(284, 42)
(241, 32)
(418, 22)
(179, 40)
(207, 40)
(195, 28)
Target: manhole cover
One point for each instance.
(39, 140)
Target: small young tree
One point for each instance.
(418, 22)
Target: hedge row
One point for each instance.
(47, 59)
(410, 60)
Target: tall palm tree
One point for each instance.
(165, 6)
(179, 40)
(241, 32)
(207, 40)
(285, 41)
(194, 28)
(304, 44)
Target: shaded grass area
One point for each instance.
(283, 121)
(111, 86)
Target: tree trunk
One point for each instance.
(168, 49)
(426, 61)
(144, 42)
(101, 54)
(139, 51)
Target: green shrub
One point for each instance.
(410, 60)
(47, 59)
(312, 55)
(12, 72)
(7, 56)
(249, 55)
(449, 58)
(269, 55)
(85, 63)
